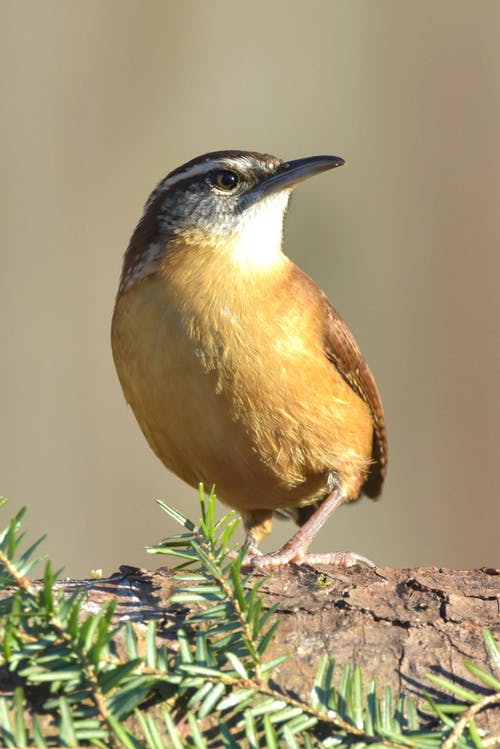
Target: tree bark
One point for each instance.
(396, 624)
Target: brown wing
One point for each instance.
(342, 350)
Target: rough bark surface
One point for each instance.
(396, 624)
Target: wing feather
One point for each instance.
(343, 351)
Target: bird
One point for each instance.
(238, 369)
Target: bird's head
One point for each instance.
(229, 201)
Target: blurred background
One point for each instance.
(100, 100)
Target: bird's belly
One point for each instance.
(263, 429)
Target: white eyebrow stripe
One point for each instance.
(204, 168)
(191, 171)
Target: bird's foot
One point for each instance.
(343, 559)
(250, 558)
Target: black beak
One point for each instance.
(290, 173)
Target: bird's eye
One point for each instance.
(225, 180)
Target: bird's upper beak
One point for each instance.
(290, 173)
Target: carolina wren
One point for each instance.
(238, 369)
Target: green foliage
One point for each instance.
(215, 689)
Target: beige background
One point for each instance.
(101, 99)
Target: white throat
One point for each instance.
(256, 245)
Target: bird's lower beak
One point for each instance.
(290, 173)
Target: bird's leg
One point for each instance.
(295, 549)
